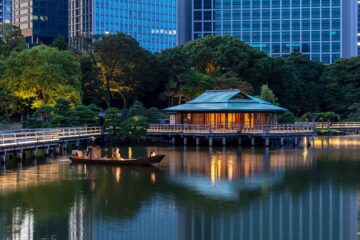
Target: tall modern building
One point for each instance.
(41, 20)
(5, 11)
(323, 30)
(151, 22)
(358, 35)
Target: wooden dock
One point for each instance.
(266, 132)
(17, 141)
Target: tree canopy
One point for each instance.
(41, 75)
(121, 65)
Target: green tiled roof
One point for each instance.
(226, 100)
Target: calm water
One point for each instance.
(195, 193)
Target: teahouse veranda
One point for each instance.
(223, 109)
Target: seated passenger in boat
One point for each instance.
(116, 154)
(152, 154)
(79, 154)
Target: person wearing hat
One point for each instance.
(90, 147)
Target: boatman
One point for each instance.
(90, 147)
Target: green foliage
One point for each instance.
(231, 80)
(91, 86)
(229, 61)
(63, 115)
(354, 115)
(11, 40)
(287, 118)
(131, 123)
(58, 120)
(42, 75)
(83, 115)
(329, 132)
(44, 112)
(60, 43)
(121, 64)
(113, 120)
(153, 115)
(62, 105)
(342, 85)
(267, 94)
(33, 122)
(136, 109)
(321, 116)
(135, 127)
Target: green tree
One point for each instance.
(195, 83)
(175, 64)
(120, 61)
(354, 115)
(41, 75)
(91, 86)
(82, 115)
(153, 115)
(11, 40)
(62, 106)
(231, 80)
(287, 118)
(267, 94)
(113, 119)
(342, 87)
(135, 127)
(44, 112)
(322, 117)
(136, 109)
(60, 43)
(309, 74)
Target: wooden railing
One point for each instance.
(34, 136)
(242, 128)
(338, 125)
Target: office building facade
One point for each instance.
(151, 23)
(358, 35)
(5, 11)
(324, 30)
(41, 20)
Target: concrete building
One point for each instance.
(323, 30)
(5, 11)
(41, 20)
(151, 23)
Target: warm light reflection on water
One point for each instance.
(195, 193)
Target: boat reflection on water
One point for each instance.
(195, 193)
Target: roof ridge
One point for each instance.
(223, 90)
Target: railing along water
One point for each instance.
(10, 138)
(251, 129)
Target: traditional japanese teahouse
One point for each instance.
(224, 108)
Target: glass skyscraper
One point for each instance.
(41, 20)
(324, 30)
(151, 22)
(5, 11)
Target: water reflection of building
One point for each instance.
(232, 163)
(22, 224)
(320, 212)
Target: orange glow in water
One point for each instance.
(153, 177)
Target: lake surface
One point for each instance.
(195, 193)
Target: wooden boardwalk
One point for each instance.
(266, 132)
(14, 140)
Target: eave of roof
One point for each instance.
(226, 100)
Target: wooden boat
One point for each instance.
(126, 162)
